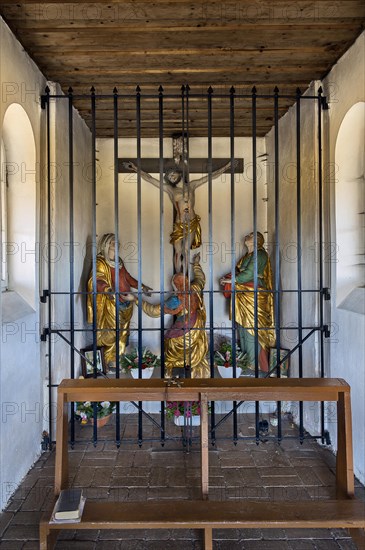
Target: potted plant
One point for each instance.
(223, 359)
(85, 410)
(129, 363)
(178, 411)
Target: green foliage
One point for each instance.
(85, 410)
(129, 361)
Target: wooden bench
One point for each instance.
(209, 515)
(205, 514)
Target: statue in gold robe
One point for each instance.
(105, 299)
(245, 302)
(185, 343)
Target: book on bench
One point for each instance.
(69, 505)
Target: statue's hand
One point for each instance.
(196, 259)
(130, 166)
(146, 290)
(224, 281)
(128, 297)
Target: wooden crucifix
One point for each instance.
(186, 233)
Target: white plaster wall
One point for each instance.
(24, 372)
(20, 372)
(61, 237)
(22, 409)
(345, 85)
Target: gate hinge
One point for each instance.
(326, 437)
(45, 295)
(44, 101)
(46, 332)
(46, 442)
(324, 103)
(326, 293)
(326, 331)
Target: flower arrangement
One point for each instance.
(85, 410)
(176, 409)
(223, 357)
(129, 361)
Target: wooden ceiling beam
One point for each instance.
(89, 27)
(240, 10)
(63, 73)
(180, 38)
(219, 133)
(201, 63)
(172, 111)
(220, 88)
(257, 79)
(145, 51)
(124, 43)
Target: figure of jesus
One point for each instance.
(186, 233)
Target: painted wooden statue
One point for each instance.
(185, 343)
(244, 303)
(105, 299)
(186, 233)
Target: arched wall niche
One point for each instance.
(20, 155)
(350, 206)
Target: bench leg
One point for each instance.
(358, 536)
(204, 442)
(61, 468)
(47, 537)
(208, 538)
(344, 460)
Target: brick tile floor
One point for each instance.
(267, 471)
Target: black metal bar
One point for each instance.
(299, 260)
(162, 257)
(194, 96)
(72, 255)
(49, 270)
(116, 257)
(85, 293)
(94, 295)
(211, 295)
(93, 199)
(53, 331)
(187, 235)
(255, 276)
(139, 239)
(277, 249)
(184, 164)
(233, 247)
(320, 231)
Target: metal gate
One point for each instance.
(305, 333)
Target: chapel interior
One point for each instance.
(251, 116)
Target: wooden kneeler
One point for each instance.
(208, 515)
(346, 512)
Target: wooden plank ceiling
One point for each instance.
(220, 44)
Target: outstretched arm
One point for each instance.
(196, 183)
(147, 177)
